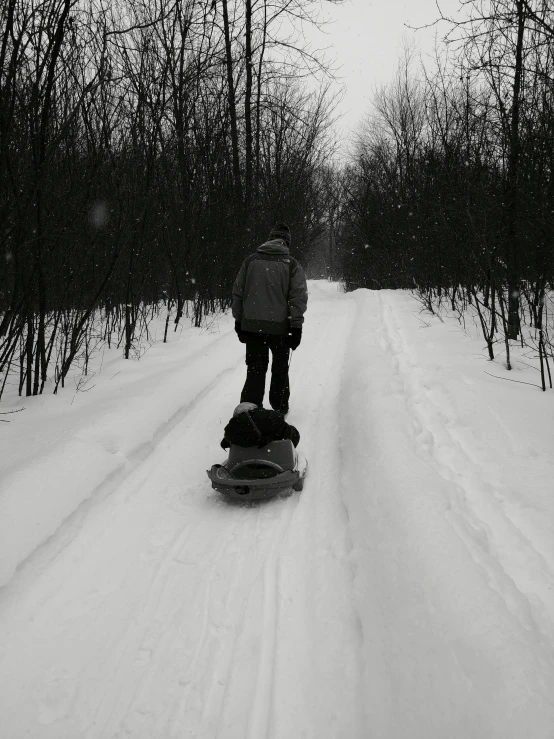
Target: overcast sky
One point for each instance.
(366, 37)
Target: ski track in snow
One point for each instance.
(477, 507)
(391, 599)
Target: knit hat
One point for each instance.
(280, 231)
(243, 407)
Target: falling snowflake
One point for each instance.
(99, 215)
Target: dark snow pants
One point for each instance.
(258, 347)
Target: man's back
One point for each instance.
(270, 294)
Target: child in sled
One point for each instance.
(262, 461)
(254, 426)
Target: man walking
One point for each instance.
(270, 297)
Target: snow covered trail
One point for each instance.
(168, 613)
(394, 598)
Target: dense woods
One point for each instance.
(451, 189)
(145, 148)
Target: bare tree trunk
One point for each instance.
(259, 95)
(248, 111)
(512, 195)
(231, 92)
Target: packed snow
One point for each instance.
(406, 593)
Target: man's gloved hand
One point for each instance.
(294, 338)
(240, 333)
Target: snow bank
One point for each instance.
(62, 448)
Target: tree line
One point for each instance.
(145, 148)
(450, 190)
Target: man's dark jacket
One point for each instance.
(258, 427)
(270, 294)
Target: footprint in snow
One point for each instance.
(56, 699)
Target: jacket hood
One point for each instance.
(255, 428)
(275, 246)
(244, 427)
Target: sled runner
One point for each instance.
(253, 474)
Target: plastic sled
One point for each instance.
(250, 473)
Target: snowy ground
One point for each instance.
(406, 593)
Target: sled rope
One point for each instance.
(257, 430)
